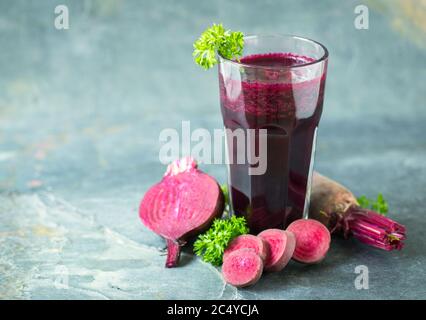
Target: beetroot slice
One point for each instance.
(242, 267)
(182, 205)
(312, 240)
(247, 241)
(281, 247)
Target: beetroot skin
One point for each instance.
(242, 267)
(182, 205)
(247, 241)
(312, 240)
(281, 245)
(338, 209)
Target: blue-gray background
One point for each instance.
(80, 115)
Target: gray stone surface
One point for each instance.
(80, 115)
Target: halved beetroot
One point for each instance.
(182, 205)
(247, 241)
(312, 240)
(242, 267)
(281, 247)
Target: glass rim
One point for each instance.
(324, 57)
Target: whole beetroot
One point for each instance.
(338, 209)
(181, 205)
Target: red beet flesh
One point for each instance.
(248, 241)
(182, 205)
(312, 240)
(281, 245)
(242, 267)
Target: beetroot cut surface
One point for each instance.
(312, 240)
(181, 205)
(281, 245)
(242, 267)
(248, 241)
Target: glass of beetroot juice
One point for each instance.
(274, 95)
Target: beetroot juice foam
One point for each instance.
(282, 93)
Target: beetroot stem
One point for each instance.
(373, 228)
(173, 253)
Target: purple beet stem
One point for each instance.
(173, 253)
(372, 228)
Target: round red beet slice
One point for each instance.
(247, 241)
(281, 245)
(312, 240)
(242, 267)
(183, 204)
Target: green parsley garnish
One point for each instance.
(217, 40)
(379, 205)
(212, 244)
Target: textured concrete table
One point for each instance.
(80, 115)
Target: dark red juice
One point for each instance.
(288, 103)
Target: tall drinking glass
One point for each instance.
(273, 96)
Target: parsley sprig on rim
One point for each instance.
(217, 40)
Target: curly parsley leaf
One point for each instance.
(212, 244)
(217, 40)
(379, 205)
